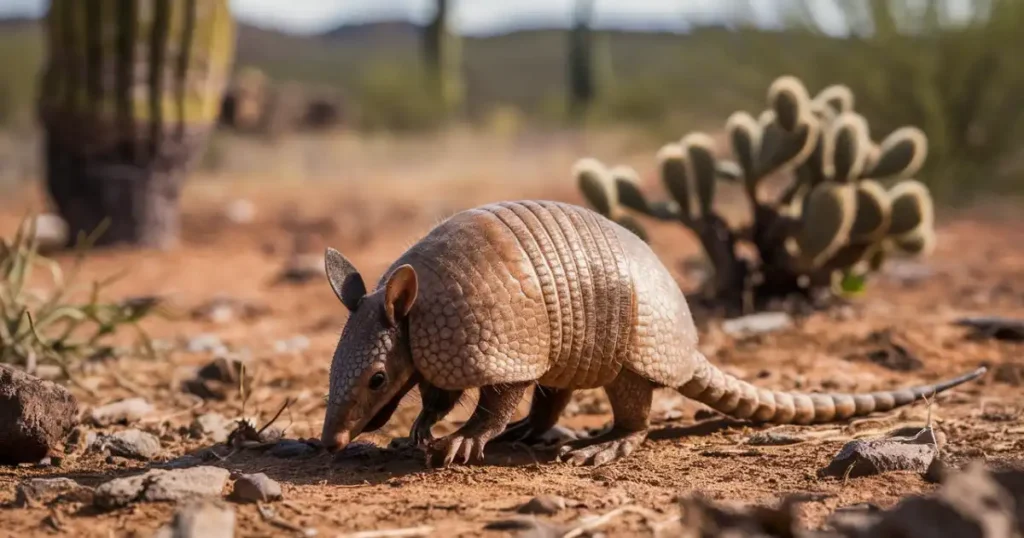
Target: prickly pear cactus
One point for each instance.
(850, 202)
(130, 93)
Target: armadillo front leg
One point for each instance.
(493, 411)
(630, 396)
(437, 403)
(547, 405)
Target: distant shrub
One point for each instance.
(391, 97)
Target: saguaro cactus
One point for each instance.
(130, 93)
(442, 57)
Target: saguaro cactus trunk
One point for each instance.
(130, 93)
(442, 58)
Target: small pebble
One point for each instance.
(256, 487)
(544, 505)
(214, 426)
(761, 323)
(125, 412)
(135, 444)
(202, 519)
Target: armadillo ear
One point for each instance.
(345, 280)
(400, 293)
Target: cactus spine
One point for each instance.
(130, 93)
(850, 201)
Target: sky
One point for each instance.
(470, 16)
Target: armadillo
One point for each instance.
(512, 294)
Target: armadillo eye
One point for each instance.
(377, 380)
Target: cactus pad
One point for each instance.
(784, 149)
(700, 162)
(827, 218)
(911, 208)
(788, 98)
(848, 147)
(920, 242)
(627, 186)
(745, 137)
(873, 212)
(729, 171)
(597, 185)
(837, 97)
(674, 175)
(630, 223)
(901, 154)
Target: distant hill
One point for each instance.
(525, 68)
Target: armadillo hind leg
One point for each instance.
(737, 398)
(437, 403)
(547, 405)
(493, 411)
(630, 396)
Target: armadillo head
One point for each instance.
(372, 368)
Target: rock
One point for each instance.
(51, 232)
(162, 485)
(907, 272)
(223, 309)
(558, 434)
(996, 327)
(49, 372)
(240, 211)
(49, 490)
(302, 268)
(761, 323)
(969, 504)
(543, 504)
(182, 462)
(125, 412)
(205, 343)
(220, 377)
(291, 345)
(256, 488)
(135, 444)
(877, 456)
(213, 426)
(202, 519)
(287, 448)
(36, 417)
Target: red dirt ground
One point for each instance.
(978, 268)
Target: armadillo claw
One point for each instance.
(598, 453)
(455, 448)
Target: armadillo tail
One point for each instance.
(739, 399)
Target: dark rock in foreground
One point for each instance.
(36, 417)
